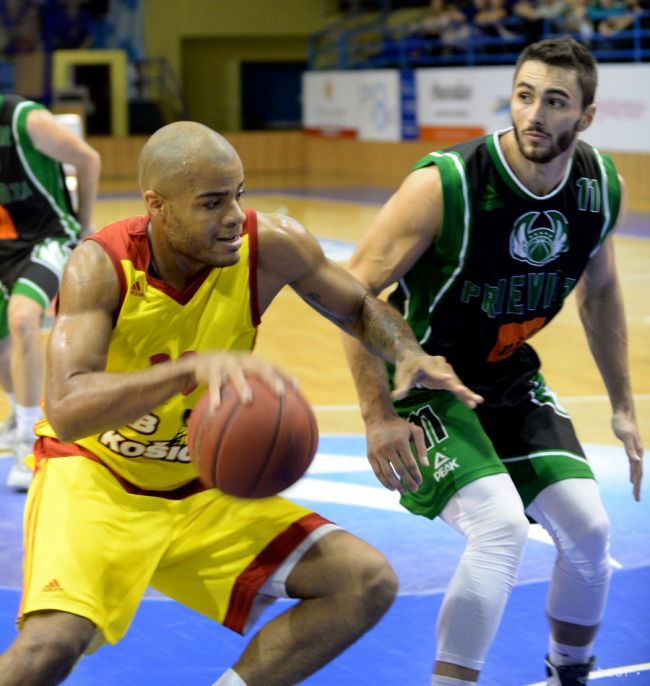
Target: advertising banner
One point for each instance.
(329, 103)
(459, 102)
(454, 103)
(622, 122)
(363, 105)
(462, 102)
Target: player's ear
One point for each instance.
(155, 204)
(587, 117)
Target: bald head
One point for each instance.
(173, 155)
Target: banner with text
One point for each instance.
(363, 105)
(458, 102)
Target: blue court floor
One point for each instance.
(169, 644)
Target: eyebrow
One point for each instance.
(218, 194)
(550, 91)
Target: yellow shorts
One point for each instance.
(92, 549)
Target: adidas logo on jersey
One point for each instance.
(443, 465)
(136, 289)
(53, 585)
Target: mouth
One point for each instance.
(536, 134)
(232, 243)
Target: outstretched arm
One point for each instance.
(403, 229)
(600, 305)
(289, 253)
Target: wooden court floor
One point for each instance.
(293, 336)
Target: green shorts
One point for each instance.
(532, 439)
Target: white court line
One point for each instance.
(613, 671)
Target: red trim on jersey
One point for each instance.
(261, 568)
(128, 239)
(250, 227)
(47, 447)
(115, 239)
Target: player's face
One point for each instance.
(547, 112)
(205, 221)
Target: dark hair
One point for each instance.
(566, 53)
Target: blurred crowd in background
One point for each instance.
(44, 25)
(454, 22)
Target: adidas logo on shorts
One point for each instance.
(53, 585)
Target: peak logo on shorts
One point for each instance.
(443, 465)
(539, 245)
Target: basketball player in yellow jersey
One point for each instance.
(150, 309)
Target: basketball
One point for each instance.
(252, 450)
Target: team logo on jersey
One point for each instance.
(539, 244)
(443, 465)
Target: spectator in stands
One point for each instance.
(617, 16)
(534, 13)
(67, 25)
(445, 23)
(489, 19)
(20, 27)
(575, 20)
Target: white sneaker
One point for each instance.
(20, 475)
(8, 433)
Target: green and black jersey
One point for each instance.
(505, 260)
(34, 201)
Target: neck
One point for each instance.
(539, 178)
(167, 265)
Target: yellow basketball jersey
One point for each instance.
(156, 324)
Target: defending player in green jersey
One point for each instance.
(485, 241)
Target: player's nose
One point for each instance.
(235, 215)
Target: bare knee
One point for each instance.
(342, 565)
(24, 319)
(46, 648)
(376, 582)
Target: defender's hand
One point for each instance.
(433, 372)
(390, 453)
(626, 430)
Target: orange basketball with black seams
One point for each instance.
(253, 450)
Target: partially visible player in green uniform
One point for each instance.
(485, 241)
(38, 227)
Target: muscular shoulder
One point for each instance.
(89, 280)
(286, 248)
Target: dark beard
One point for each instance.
(563, 143)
